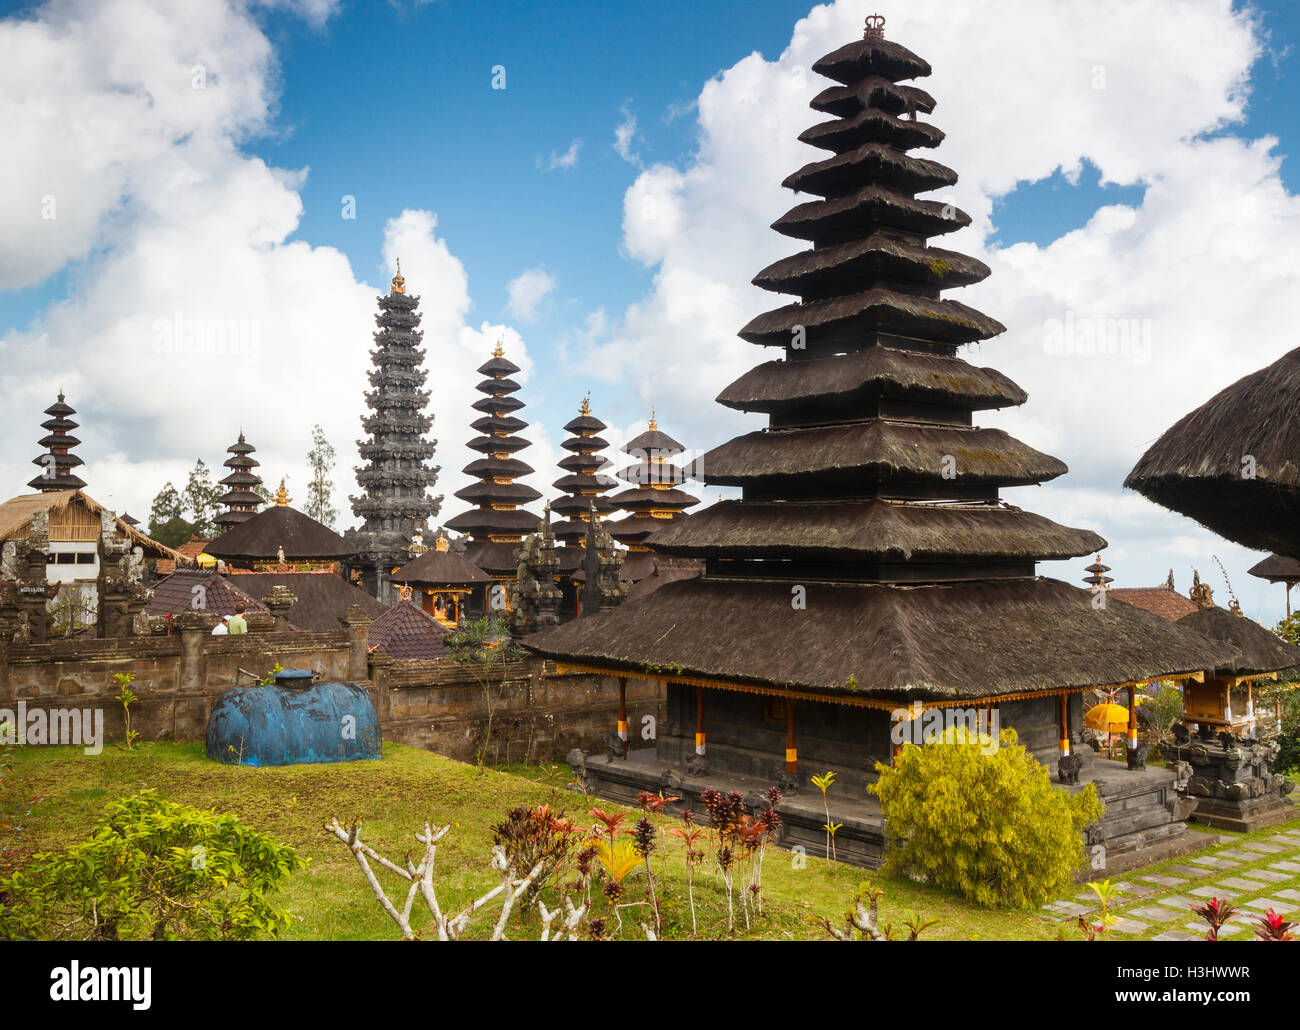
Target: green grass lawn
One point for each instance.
(394, 797)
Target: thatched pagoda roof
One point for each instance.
(1256, 649)
(261, 538)
(1277, 568)
(872, 494)
(437, 568)
(938, 642)
(1233, 464)
(16, 518)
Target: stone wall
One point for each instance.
(536, 714)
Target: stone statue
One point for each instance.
(537, 598)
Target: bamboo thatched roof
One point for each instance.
(937, 642)
(1257, 650)
(16, 516)
(1233, 464)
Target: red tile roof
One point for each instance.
(407, 631)
(1162, 600)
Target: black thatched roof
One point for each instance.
(962, 640)
(782, 386)
(870, 58)
(322, 596)
(833, 270)
(873, 92)
(261, 537)
(835, 220)
(1233, 464)
(495, 558)
(1277, 568)
(871, 530)
(437, 568)
(884, 448)
(1256, 649)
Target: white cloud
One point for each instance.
(625, 135)
(526, 291)
(172, 236)
(569, 159)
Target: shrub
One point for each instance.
(990, 828)
(535, 836)
(154, 870)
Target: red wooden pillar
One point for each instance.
(622, 709)
(1132, 724)
(700, 746)
(1065, 725)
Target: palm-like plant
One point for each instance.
(823, 783)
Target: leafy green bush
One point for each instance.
(988, 827)
(155, 870)
(15, 805)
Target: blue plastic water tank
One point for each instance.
(288, 725)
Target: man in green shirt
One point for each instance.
(237, 623)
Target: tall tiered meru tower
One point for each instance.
(58, 461)
(870, 563)
(394, 504)
(240, 499)
(497, 525)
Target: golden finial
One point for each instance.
(585, 409)
(399, 284)
(875, 27)
(653, 424)
(404, 592)
(441, 543)
(498, 351)
(282, 497)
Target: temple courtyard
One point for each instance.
(393, 797)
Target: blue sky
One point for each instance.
(392, 104)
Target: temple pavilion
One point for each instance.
(395, 481)
(583, 498)
(445, 584)
(870, 569)
(497, 523)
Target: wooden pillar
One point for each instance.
(1132, 725)
(791, 754)
(700, 746)
(622, 709)
(1065, 725)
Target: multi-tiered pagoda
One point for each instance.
(654, 499)
(241, 500)
(395, 504)
(870, 565)
(58, 461)
(584, 488)
(497, 523)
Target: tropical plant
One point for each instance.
(1272, 927)
(644, 841)
(824, 783)
(1159, 711)
(862, 921)
(320, 490)
(126, 699)
(535, 837)
(154, 870)
(15, 805)
(200, 499)
(484, 648)
(987, 826)
(1106, 893)
(1216, 914)
(690, 835)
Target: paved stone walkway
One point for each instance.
(1255, 874)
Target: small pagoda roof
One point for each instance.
(831, 270)
(653, 441)
(1277, 568)
(495, 558)
(873, 92)
(1256, 649)
(279, 526)
(437, 568)
(512, 468)
(585, 424)
(407, 631)
(871, 125)
(879, 163)
(836, 219)
(483, 521)
(487, 492)
(992, 638)
(871, 530)
(873, 56)
(882, 447)
(779, 386)
(1196, 467)
(497, 366)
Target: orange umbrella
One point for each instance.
(1108, 718)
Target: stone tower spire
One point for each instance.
(395, 503)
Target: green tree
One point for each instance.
(154, 870)
(320, 491)
(200, 499)
(167, 524)
(485, 648)
(988, 827)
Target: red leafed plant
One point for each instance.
(1216, 913)
(1272, 927)
(612, 821)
